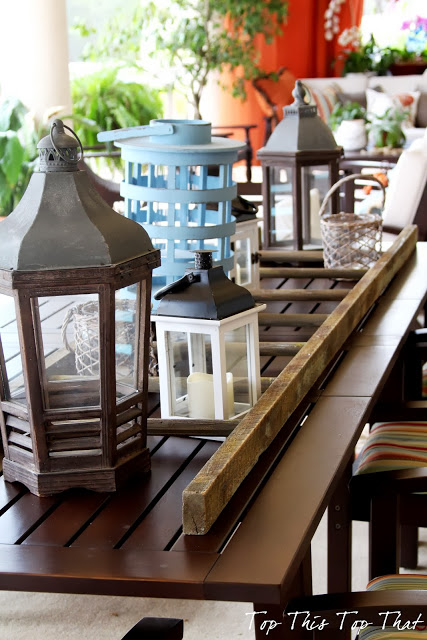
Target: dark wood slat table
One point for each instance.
(131, 542)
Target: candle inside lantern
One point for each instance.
(200, 389)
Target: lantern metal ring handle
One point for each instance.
(60, 154)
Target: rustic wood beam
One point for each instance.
(207, 495)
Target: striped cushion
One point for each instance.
(392, 582)
(325, 100)
(393, 445)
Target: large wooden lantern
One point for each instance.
(300, 163)
(207, 345)
(75, 285)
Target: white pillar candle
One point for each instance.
(230, 394)
(314, 213)
(200, 396)
(200, 390)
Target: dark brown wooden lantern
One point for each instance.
(75, 286)
(300, 162)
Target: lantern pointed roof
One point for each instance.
(62, 222)
(301, 128)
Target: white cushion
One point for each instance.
(378, 102)
(347, 84)
(397, 84)
(406, 187)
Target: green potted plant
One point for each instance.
(18, 153)
(191, 40)
(348, 122)
(386, 129)
(102, 101)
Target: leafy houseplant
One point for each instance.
(368, 58)
(346, 111)
(18, 153)
(102, 101)
(348, 121)
(194, 38)
(386, 129)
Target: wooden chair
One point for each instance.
(395, 602)
(391, 470)
(273, 91)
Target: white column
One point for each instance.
(34, 54)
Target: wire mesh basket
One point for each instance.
(85, 320)
(351, 240)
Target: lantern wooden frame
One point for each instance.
(114, 433)
(297, 161)
(216, 330)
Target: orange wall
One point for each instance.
(302, 48)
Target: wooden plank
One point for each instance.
(291, 319)
(273, 255)
(124, 508)
(171, 427)
(311, 272)
(70, 516)
(371, 363)
(209, 492)
(21, 517)
(293, 295)
(159, 527)
(104, 571)
(276, 532)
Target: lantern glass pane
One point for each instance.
(190, 374)
(281, 212)
(243, 258)
(314, 186)
(11, 368)
(319, 183)
(126, 344)
(68, 339)
(239, 387)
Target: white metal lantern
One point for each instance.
(207, 345)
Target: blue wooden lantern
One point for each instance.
(178, 185)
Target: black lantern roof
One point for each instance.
(62, 222)
(204, 292)
(301, 129)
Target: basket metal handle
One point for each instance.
(354, 176)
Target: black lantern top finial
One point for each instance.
(58, 151)
(203, 259)
(299, 93)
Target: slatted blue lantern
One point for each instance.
(178, 185)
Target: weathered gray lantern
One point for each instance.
(300, 163)
(207, 345)
(75, 285)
